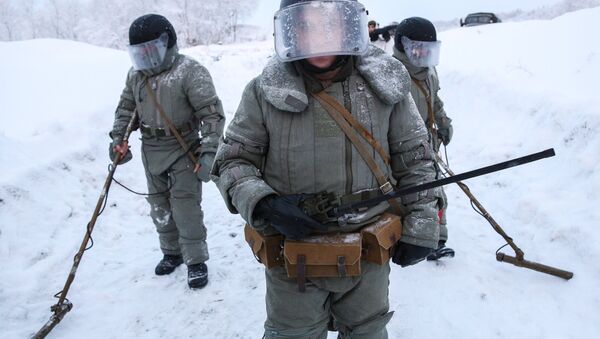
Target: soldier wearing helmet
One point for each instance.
(284, 146)
(417, 47)
(161, 79)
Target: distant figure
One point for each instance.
(372, 26)
(381, 37)
(164, 81)
(416, 46)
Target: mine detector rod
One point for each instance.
(519, 258)
(63, 306)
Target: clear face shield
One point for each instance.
(319, 28)
(422, 53)
(150, 54)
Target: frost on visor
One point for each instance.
(319, 28)
(149, 54)
(422, 53)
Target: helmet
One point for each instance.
(311, 28)
(149, 27)
(286, 3)
(416, 29)
(149, 37)
(417, 38)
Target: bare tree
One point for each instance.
(28, 16)
(7, 19)
(106, 22)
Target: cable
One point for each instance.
(501, 248)
(143, 194)
(446, 155)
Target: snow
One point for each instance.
(511, 89)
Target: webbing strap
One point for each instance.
(341, 264)
(339, 117)
(355, 124)
(169, 123)
(429, 99)
(301, 273)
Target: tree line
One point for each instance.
(106, 22)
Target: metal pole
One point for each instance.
(519, 259)
(63, 305)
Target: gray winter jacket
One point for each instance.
(185, 90)
(428, 79)
(281, 141)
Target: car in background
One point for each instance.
(481, 18)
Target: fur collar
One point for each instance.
(284, 88)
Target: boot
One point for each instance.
(197, 275)
(441, 252)
(168, 264)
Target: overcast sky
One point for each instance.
(386, 11)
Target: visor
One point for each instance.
(422, 53)
(319, 28)
(150, 54)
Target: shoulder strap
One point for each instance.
(169, 123)
(340, 116)
(326, 99)
(428, 98)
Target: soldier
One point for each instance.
(381, 37)
(283, 145)
(416, 46)
(372, 27)
(167, 88)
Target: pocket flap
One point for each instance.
(325, 249)
(387, 230)
(254, 239)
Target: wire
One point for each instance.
(142, 194)
(501, 248)
(446, 155)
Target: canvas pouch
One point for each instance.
(380, 237)
(266, 249)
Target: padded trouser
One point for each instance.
(358, 306)
(177, 213)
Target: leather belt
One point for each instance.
(149, 132)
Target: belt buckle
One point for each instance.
(386, 188)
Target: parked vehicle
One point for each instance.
(480, 18)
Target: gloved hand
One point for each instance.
(407, 254)
(117, 148)
(374, 36)
(285, 215)
(445, 135)
(206, 161)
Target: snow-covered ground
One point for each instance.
(512, 89)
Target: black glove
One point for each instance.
(285, 215)
(112, 154)
(374, 36)
(407, 254)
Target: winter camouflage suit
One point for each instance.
(185, 90)
(282, 141)
(427, 78)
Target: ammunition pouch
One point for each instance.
(266, 249)
(335, 255)
(328, 255)
(380, 237)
